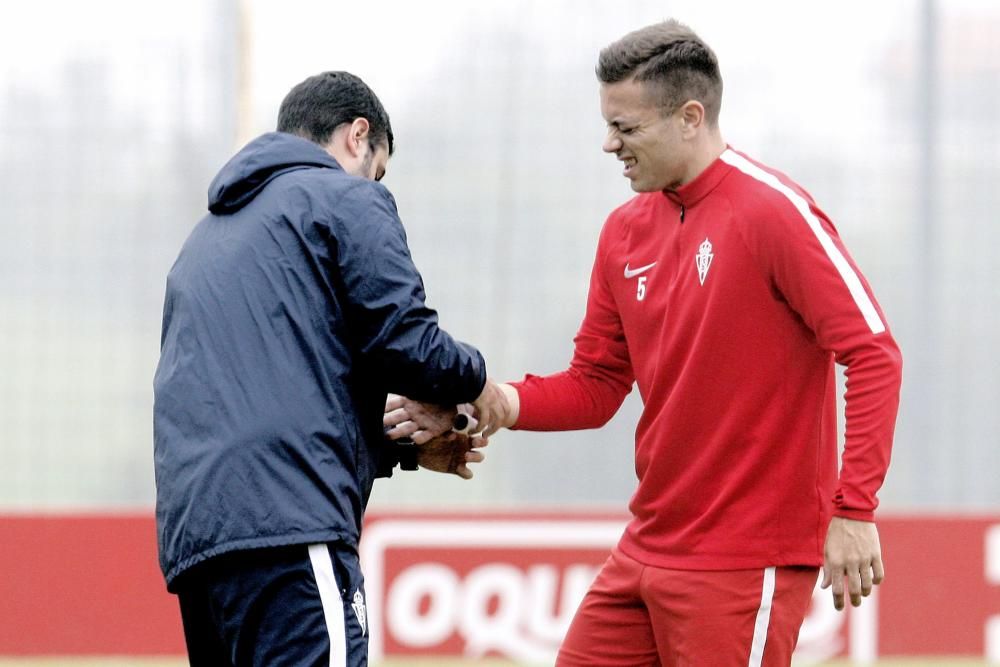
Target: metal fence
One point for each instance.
(114, 117)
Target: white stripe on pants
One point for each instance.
(763, 619)
(333, 606)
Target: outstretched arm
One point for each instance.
(586, 395)
(389, 321)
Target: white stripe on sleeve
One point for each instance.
(763, 619)
(333, 607)
(843, 267)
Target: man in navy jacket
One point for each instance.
(293, 309)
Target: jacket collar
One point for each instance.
(697, 189)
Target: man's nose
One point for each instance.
(612, 143)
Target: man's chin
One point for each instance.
(639, 186)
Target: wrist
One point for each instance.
(513, 404)
(854, 515)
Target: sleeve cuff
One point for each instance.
(856, 515)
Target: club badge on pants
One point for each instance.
(359, 611)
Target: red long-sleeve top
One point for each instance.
(727, 302)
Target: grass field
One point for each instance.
(159, 662)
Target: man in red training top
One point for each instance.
(726, 295)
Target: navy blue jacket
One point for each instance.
(293, 308)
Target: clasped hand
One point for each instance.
(420, 421)
(431, 428)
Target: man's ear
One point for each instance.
(692, 116)
(357, 137)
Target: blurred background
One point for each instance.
(115, 115)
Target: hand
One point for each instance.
(852, 549)
(420, 421)
(450, 453)
(492, 410)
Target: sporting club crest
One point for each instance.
(359, 611)
(703, 260)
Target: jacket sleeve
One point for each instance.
(390, 323)
(804, 257)
(590, 391)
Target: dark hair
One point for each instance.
(672, 56)
(319, 105)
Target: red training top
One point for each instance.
(727, 302)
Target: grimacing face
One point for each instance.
(648, 143)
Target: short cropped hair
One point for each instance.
(671, 56)
(319, 105)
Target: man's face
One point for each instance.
(647, 142)
(374, 162)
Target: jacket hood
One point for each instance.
(263, 159)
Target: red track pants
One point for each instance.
(637, 615)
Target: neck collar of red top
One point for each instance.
(694, 190)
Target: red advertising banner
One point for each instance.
(480, 584)
(506, 585)
(84, 585)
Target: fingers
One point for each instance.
(838, 591)
(394, 402)
(471, 456)
(492, 409)
(428, 417)
(484, 412)
(490, 421)
(406, 429)
(871, 575)
(422, 437)
(423, 421)
(483, 417)
(403, 427)
(852, 552)
(854, 585)
(493, 428)
(861, 581)
(409, 429)
(833, 578)
(864, 585)
(394, 416)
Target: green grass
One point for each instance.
(438, 662)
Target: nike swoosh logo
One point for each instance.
(634, 272)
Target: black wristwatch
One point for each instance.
(406, 453)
